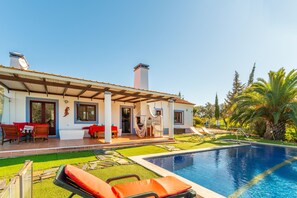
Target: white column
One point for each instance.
(171, 119)
(107, 116)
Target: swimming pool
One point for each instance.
(244, 171)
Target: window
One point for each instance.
(178, 117)
(85, 112)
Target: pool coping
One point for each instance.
(200, 190)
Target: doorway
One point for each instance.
(126, 115)
(44, 112)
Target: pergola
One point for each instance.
(29, 81)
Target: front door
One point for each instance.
(44, 112)
(126, 114)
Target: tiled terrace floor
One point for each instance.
(54, 145)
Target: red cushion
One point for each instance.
(89, 183)
(20, 125)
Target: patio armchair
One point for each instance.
(86, 185)
(40, 131)
(10, 133)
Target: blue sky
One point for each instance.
(192, 46)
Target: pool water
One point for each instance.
(232, 171)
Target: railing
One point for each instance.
(240, 130)
(21, 185)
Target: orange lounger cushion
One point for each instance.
(164, 187)
(137, 187)
(89, 183)
(172, 185)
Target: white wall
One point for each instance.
(187, 109)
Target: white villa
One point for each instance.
(68, 104)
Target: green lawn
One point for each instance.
(141, 150)
(10, 166)
(46, 188)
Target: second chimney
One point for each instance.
(141, 76)
(18, 60)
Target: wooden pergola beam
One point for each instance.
(139, 99)
(134, 96)
(84, 90)
(65, 89)
(45, 86)
(98, 93)
(23, 83)
(115, 94)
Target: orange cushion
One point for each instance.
(163, 187)
(172, 185)
(89, 183)
(137, 187)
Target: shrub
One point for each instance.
(198, 121)
(291, 134)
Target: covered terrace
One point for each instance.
(36, 84)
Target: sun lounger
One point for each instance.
(86, 185)
(206, 131)
(194, 130)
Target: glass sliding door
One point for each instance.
(44, 112)
(126, 114)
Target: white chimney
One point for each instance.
(141, 76)
(18, 60)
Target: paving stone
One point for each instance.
(106, 164)
(2, 184)
(116, 159)
(101, 157)
(93, 166)
(123, 162)
(109, 152)
(85, 167)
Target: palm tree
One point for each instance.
(274, 101)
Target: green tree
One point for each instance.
(251, 77)
(229, 105)
(236, 90)
(274, 101)
(217, 109)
